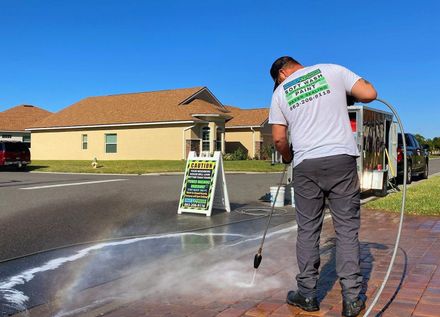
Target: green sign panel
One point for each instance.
(198, 184)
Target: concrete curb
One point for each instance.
(96, 174)
(146, 174)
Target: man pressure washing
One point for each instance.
(311, 102)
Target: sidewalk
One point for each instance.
(412, 290)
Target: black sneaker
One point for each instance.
(305, 303)
(352, 308)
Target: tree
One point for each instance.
(421, 139)
(436, 143)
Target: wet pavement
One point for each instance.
(209, 273)
(38, 280)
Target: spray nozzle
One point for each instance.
(257, 260)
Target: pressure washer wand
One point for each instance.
(258, 257)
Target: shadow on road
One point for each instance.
(328, 275)
(22, 169)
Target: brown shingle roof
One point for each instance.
(145, 107)
(21, 117)
(247, 117)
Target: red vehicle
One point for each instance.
(14, 153)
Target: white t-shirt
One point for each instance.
(312, 102)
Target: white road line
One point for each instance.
(75, 184)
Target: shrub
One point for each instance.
(266, 152)
(238, 155)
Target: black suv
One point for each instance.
(417, 156)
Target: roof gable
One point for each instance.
(247, 117)
(203, 94)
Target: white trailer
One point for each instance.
(375, 133)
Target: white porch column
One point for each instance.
(223, 142)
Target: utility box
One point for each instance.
(375, 134)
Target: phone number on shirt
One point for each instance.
(307, 99)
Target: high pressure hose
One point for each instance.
(402, 210)
(258, 256)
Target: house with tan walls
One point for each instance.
(249, 130)
(14, 121)
(158, 125)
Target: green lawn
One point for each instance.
(422, 198)
(142, 167)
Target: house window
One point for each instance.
(111, 143)
(205, 139)
(84, 141)
(27, 138)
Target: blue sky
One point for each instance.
(54, 53)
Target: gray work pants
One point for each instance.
(336, 178)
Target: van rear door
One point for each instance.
(15, 152)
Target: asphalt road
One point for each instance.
(434, 166)
(35, 217)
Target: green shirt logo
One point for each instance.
(306, 88)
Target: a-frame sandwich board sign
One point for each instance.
(204, 185)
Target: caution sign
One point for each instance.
(199, 179)
(204, 185)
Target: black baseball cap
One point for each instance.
(277, 66)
